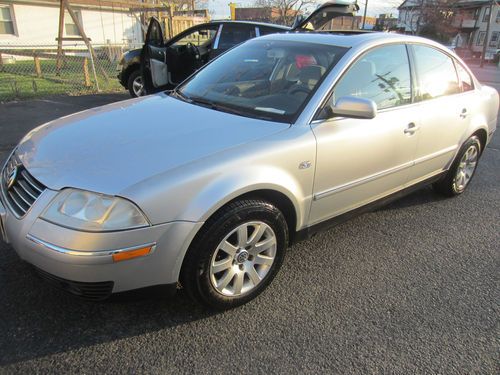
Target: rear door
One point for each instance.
(153, 58)
(445, 107)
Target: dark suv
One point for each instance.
(170, 62)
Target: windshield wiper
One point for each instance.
(198, 100)
(179, 95)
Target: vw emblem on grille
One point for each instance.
(12, 175)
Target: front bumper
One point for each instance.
(85, 257)
(121, 77)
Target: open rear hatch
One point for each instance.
(319, 19)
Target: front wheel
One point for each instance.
(462, 170)
(135, 84)
(236, 255)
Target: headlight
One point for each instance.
(93, 212)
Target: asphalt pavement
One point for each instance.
(410, 288)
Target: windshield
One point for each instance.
(264, 79)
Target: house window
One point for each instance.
(480, 38)
(486, 14)
(6, 20)
(494, 38)
(69, 24)
(476, 13)
(498, 17)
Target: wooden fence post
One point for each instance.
(86, 75)
(38, 68)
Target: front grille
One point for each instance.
(91, 291)
(25, 190)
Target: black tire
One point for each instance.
(195, 273)
(448, 186)
(130, 82)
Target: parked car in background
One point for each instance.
(163, 65)
(183, 54)
(207, 185)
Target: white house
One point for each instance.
(409, 16)
(35, 22)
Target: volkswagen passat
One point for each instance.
(206, 186)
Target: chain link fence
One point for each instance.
(28, 71)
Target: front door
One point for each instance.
(153, 59)
(359, 161)
(189, 51)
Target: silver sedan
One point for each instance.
(206, 186)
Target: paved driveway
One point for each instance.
(411, 288)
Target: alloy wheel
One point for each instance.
(138, 86)
(466, 168)
(243, 259)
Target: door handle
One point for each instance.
(464, 113)
(411, 128)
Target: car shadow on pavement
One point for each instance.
(38, 320)
(425, 195)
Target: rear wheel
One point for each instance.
(236, 255)
(462, 170)
(135, 84)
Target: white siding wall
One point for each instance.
(39, 25)
(495, 27)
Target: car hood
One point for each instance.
(110, 148)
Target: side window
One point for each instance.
(465, 78)
(154, 35)
(200, 37)
(436, 73)
(235, 34)
(382, 75)
(265, 30)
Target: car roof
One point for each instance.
(348, 40)
(272, 25)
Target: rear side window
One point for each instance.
(264, 30)
(235, 34)
(382, 75)
(436, 73)
(465, 78)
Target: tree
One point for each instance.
(436, 18)
(288, 9)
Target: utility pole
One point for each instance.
(487, 36)
(364, 16)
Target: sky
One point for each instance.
(375, 7)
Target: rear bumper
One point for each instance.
(83, 260)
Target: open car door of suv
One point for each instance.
(153, 59)
(320, 19)
(165, 64)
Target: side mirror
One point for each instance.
(349, 106)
